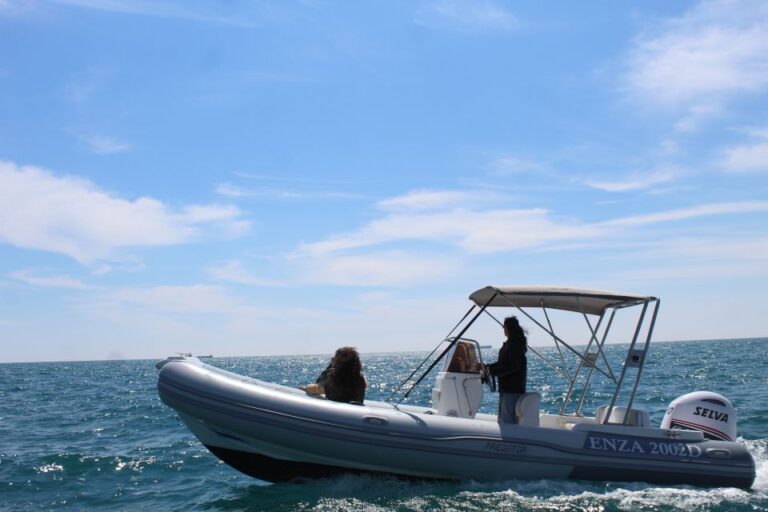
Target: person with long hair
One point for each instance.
(511, 369)
(343, 379)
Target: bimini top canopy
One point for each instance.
(581, 300)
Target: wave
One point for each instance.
(374, 494)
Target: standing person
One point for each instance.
(342, 380)
(511, 369)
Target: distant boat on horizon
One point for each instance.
(189, 354)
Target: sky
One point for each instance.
(258, 178)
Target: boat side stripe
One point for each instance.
(711, 430)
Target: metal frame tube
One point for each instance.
(542, 357)
(624, 369)
(430, 354)
(565, 344)
(642, 362)
(592, 366)
(599, 348)
(557, 345)
(451, 344)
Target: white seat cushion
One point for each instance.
(527, 409)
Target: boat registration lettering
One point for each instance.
(639, 446)
(506, 448)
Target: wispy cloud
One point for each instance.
(180, 10)
(726, 248)
(104, 144)
(48, 281)
(426, 199)
(235, 191)
(233, 271)
(699, 62)
(190, 299)
(84, 84)
(71, 216)
(637, 181)
(475, 231)
(466, 16)
(751, 157)
(387, 268)
(13, 8)
(706, 257)
(294, 179)
(695, 115)
(511, 165)
(715, 50)
(485, 231)
(704, 210)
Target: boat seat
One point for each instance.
(527, 409)
(635, 417)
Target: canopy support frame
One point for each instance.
(605, 359)
(554, 336)
(448, 348)
(600, 343)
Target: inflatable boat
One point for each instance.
(278, 433)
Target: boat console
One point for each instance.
(458, 388)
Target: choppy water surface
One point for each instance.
(94, 435)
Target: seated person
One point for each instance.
(464, 359)
(342, 380)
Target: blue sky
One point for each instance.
(250, 178)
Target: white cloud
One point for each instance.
(293, 179)
(476, 231)
(184, 300)
(391, 268)
(716, 49)
(707, 258)
(230, 190)
(29, 277)
(637, 181)
(501, 230)
(510, 165)
(233, 271)
(165, 9)
(723, 249)
(71, 216)
(695, 115)
(16, 7)
(437, 199)
(691, 213)
(748, 157)
(104, 145)
(84, 84)
(466, 15)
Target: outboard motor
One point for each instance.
(708, 412)
(458, 390)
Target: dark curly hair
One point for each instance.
(514, 331)
(347, 367)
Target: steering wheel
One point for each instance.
(487, 378)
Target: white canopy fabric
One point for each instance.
(568, 299)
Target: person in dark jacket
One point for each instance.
(342, 380)
(511, 369)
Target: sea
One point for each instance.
(95, 436)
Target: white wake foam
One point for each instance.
(360, 493)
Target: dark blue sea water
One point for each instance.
(95, 436)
